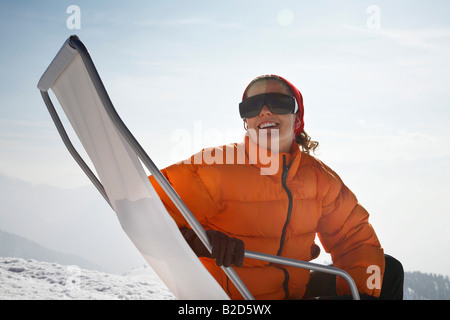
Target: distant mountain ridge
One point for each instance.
(15, 246)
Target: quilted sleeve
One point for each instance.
(345, 232)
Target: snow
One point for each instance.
(22, 279)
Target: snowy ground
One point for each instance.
(31, 279)
(22, 279)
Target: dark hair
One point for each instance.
(303, 139)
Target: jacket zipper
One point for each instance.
(288, 217)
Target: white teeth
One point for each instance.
(267, 125)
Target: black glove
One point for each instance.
(225, 250)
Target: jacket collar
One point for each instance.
(271, 163)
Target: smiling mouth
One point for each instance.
(268, 125)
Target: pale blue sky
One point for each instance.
(376, 100)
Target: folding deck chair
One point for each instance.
(122, 181)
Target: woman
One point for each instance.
(269, 195)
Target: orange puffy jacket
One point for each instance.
(276, 208)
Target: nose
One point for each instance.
(265, 111)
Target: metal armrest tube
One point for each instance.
(306, 265)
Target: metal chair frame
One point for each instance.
(44, 85)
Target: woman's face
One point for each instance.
(271, 123)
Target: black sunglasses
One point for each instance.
(277, 103)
